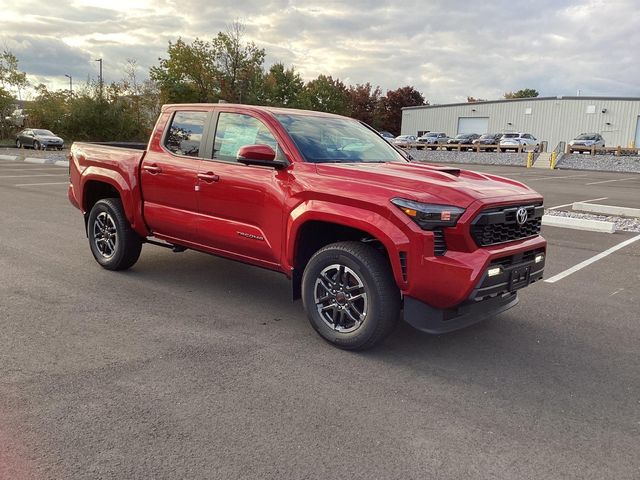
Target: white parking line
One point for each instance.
(609, 181)
(558, 178)
(34, 184)
(582, 201)
(591, 260)
(36, 175)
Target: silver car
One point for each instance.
(38, 138)
(432, 139)
(587, 140)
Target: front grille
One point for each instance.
(500, 225)
(439, 243)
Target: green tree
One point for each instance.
(363, 102)
(524, 93)
(324, 94)
(189, 74)
(10, 76)
(282, 86)
(390, 107)
(239, 64)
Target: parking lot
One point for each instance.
(191, 366)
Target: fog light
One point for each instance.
(539, 258)
(492, 272)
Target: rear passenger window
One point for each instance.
(236, 130)
(185, 133)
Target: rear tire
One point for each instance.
(350, 295)
(113, 243)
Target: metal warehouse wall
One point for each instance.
(550, 118)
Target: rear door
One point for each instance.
(169, 174)
(241, 206)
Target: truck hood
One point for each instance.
(424, 182)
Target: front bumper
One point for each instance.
(492, 295)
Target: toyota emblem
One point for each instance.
(522, 216)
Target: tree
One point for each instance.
(390, 107)
(190, 74)
(363, 101)
(324, 94)
(524, 93)
(239, 64)
(475, 100)
(282, 86)
(10, 76)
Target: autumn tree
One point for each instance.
(475, 100)
(389, 109)
(363, 102)
(524, 93)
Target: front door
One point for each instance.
(169, 176)
(241, 206)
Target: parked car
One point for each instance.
(38, 138)
(433, 139)
(488, 139)
(463, 139)
(404, 141)
(511, 141)
(388, 136)
(586, 140)
(361, 232)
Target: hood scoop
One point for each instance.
(451, 171)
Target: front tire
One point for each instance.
(350, 296)
(18, 144)
(113, 243)
(36, 145)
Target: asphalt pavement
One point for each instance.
(189, 366)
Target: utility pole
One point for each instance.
(70, 83)
(100, 81)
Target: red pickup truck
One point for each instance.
(364, 233)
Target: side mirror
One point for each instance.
(261, 155)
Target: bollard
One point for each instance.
(552, 163)
(529, 159)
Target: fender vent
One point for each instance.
(439, 243)
(403, 265)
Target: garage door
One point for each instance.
(478, 125)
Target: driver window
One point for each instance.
(235, 130)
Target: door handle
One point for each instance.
(208, 177)
(152, 169)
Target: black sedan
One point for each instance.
(463, 139)
(38, 138)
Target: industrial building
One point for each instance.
(551, 119)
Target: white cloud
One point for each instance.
(446, 49)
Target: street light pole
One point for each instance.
(70, 83)
(100, 81)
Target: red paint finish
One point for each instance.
(255, 213)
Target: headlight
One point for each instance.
(429, 216)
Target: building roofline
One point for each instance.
(529, 99)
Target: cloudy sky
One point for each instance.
(447, 49)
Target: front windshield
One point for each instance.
(586, 137)
(487, 136)
(335, 139)
(510, 135)
(42, 132)
(462, 135)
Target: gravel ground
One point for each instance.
(483, 158)
(622, 224)
(53, 155)
(604, 163)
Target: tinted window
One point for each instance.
(337, 139)
(236, 130)
(185, 133)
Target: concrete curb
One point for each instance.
(579, 224)
(9, 158)
(61, 163)
(35, 160)
(607, 209)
